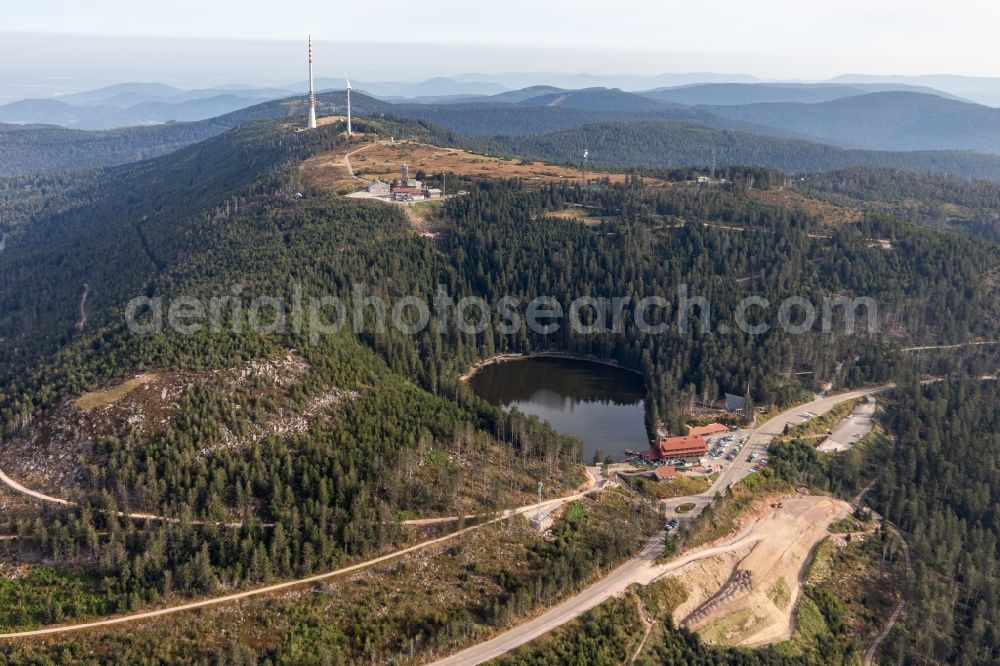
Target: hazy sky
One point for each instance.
(801, 39)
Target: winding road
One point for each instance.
(82, 321)
(640, 569)
(18, 488)
(546, 506)
(41, 497)
(347, 161)
(761, 436)
(900, 607)
(215, 601)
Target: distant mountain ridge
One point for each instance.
(105, 117)
(980, 89)
(36, 149)
(735, 94)
(595, 99)
(776, 135)
(882, 121)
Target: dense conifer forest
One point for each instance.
(620, 136)
(944, 201)
(626, 145)
(230, 216)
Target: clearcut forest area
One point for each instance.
(307, 493)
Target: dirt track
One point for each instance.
(383, 160)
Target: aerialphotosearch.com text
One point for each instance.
(364, 311)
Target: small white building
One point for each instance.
(379, 188)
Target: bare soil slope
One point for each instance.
(754, 603)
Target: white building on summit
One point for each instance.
(378, 187)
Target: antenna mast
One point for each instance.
(312, 89)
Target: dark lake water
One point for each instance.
(600, 404)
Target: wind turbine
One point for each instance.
(350, 132)
(586, 154)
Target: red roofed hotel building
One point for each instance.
(712, 429)
(669, 448)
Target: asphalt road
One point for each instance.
(740, 468)
(640, 569)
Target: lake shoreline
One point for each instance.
(506, 358)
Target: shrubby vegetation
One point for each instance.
(223, 212)
(633, 145)
(940, 488)
(392, 612)
(945, 201)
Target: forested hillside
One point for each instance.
(24, 197)
(620, 129)
(27, 151)
(968, 206)
(941, 487)
(656, 144)
(882, 121)
(148, 220)
(32, 150)
(282, 453)
(493, 237)
(373, 444)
